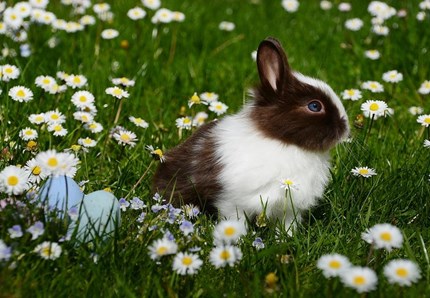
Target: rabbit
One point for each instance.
(232, 167)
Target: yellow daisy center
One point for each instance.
(75, 147)
(187, 261)
(125, 137)
(359, 280)
(20, 93)
(117, 91)
(54, 116)
(52, 162)
(36, 170)
(46, 81)
(58, 127)
(373, 86)
(427, 120)
(161, 250)
(28, 132)
(12, 180)
(39, 118)
(8, 70)
(93, 126)
(350, 92)
(402, 272)
(77, 80)
(187, 121)
(374, 107)
(229, 231)
(288, 182)
(46, 251)
(158, 152)
(82, 98)
(363, 171)
(225, 255)
(87, 141)
(195, 98)
(335, 264)
(386, 236)
(31, 144)
(427, 85)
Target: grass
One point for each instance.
(195, 56)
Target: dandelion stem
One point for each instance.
(140, 179)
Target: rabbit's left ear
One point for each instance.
(272, 64)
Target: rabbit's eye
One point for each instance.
(315, 106)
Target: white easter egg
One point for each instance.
(61, 192)
(99, 215)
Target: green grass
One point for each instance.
(195, 56)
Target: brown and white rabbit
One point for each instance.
(234, 166)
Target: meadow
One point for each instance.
(160, 63)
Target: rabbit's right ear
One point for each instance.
(272, 65)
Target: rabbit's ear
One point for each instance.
(272, 65)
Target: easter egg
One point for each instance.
(61, 193)
(99, 215)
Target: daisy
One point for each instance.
(156, 153)
(333, 264)
(28, 134)
(218, 107)
(109, 33)
(82, 99)
(416, 110)
(374, 108)
(426, 143)
(421, 16)
(48, 250)
(425, 5)
(184, 122)
(57, 164)
(94, 127)
(352, 94)
(354, 24)
(209, 97)
(226, 26)
(229, 231)
(162, 15)
(290, 5)
(136, 13)
(12, 19)
(100, 8)
(23, 9)
(36, 230)
(380, 30)
(344, 6)
(402, 272)
(152, 4)
(362, 279)
(5, 251)
(76, 81)
(186, 263)
(87, 142)
(288, 184)
(57, 129)
(13, 180)
(424, 120)
(372, 54)
(392, 76)
(425, 87)
(138, 122)
(125, 137)
(326, 5)
(225, 255)
(21, 94)
(195, 99)
(383, 236)
(372, 86)
(117, 92)
(200, 119)
(162, 247)
(87, 20)
(54, 117)
(15, 232)
(45, 82)
(9, 72)
(34, 171)
(381, 10)
(84, 117)
(178, 16)
(39, 3)
(123, 81)
(363, 172)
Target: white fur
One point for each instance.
(253, 165)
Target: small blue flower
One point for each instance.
(258, 243)
(137, 204)
(186, 227)
(5, 251)
(15, 231)
(36, 230)
(123, 204)
(168, 235)
(73, 213)
(141, 217)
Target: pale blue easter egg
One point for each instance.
(61, 193)
(98, 217)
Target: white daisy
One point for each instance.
(225, 255)
(87, 20)
(288, 184)
(100, 8)
(84, 117)
(12, 19)
(194, 99)
(425, 87)
(209, 97)
(218, 107)
(381, 10)
(56, 89)
(178, 16)
(87, 142)
(117, 92)
(109, 34)
(45, 82)
(352, 94)
(57, 163)
(23, 9)
(82, 99)
(374, 108)
(344, 6)
(94, 127)
(9, 72)
(76, 81)
(136, 13)
(229, 231)
(372, 86)
(354, 24)
(13, 180)
(416, 110)
(123, 81)
(426, 143)
(152, 4)
(125, 137)
(138, 122)
(186, 263)
(392, 76)
(184, 122)
(362, 279)
(365, 172)
(383, 236)
(226, 26)
(333, 264)
(424, 120)
(200, 119)
(39, 3)
(380, 30)
(162, 247)
(372, 54)
(326, 5)
(37, 118)
(57, 129)
(54, 117)
(34, 171)
(21, 94)
(402, 272)
(290, 5)
(28, 134)
(163, 15)
(48, 250)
